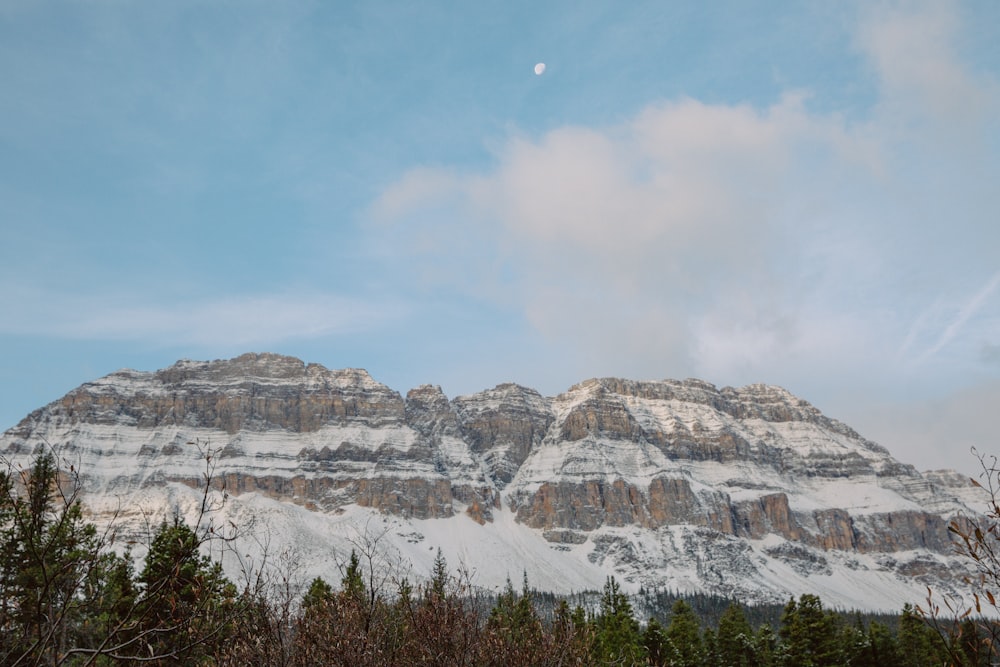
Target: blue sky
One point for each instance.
(797, 193)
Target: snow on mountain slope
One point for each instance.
(749, 492)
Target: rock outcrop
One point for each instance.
(610, 467)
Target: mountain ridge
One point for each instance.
(678, 483)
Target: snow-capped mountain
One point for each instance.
(747, 492)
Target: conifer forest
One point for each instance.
(69, 595)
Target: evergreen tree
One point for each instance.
(809, 634)
(710, 648)
(684, 636)
(654, 640)
(514, 620)
(10, 636)
(853, 642)
(881, 650)
(919, 645)
(319, 594)
(49, 554)
(184, 596)
(516, 613)
(617, 639)
(765, 652)
(110, 595)
(570, 633)
(439, 575)
(735, 638)
(352, 584)
(8, 547)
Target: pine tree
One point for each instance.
(110, 595)
(654, 640)
(9, 546)
(854, 642)
(352, 584)
(49, 554)
(918, 643)
(184, 596)
(439, 575)
(571, 634)
(809, 634)
(710, 649)
(515, 623)
(735, 638)
(765, 652)
(319, 593)
(882, 650)
(684, 636)
(515, 616)
(617, 639)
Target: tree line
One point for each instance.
(68, 596)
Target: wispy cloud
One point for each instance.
(232, 321)
(971, 307)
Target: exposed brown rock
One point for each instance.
(590, 505)
(503, 425)
(835, 530)
(769, 513)
(251, 392)
(416, 497)
(602, 416)
(899, 531)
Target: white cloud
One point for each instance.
(913, 50)
(740, 243)
(649, 232)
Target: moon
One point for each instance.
(539, 69)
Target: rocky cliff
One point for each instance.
(747, 491)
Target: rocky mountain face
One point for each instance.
(749, 492)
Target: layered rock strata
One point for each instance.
(754, 464)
